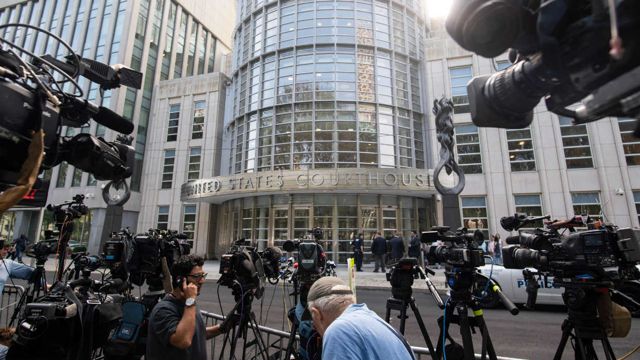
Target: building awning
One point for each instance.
(408, 182)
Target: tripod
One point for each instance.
(402, 305)
(401, 278)
(462, 281)
(246, 319)
(582, 324)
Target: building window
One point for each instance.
(193, 170)
(587, 204)
(530, 205)
(636, 199)
(474, 214)
(174, 117)
(62, 175)
(76, 180)
(630, 143)
(575, 140)
(468, 148)
(189, 222)
(167, 170)
(502, 64)
(163, 218)
(520, 146)
(197, 128)
(459, 77)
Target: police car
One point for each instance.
(512, 283)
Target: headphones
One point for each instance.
(486, 27)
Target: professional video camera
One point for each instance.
(117, 253)
(249, 267)
(563, 50)
(311, 260)
(401, 277)
(149, 250)
(460, 248)
(33, 99)
(581, 263)
(580, 253)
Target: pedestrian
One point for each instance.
(397, 247)
(379, 250)
(12, 269)
(176, 328)
(20, 246)
(497, 248)
(350, 330)
(414, 247)
(357, 244)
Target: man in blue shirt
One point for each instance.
(349, 330)
(10, 268)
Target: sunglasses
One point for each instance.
(198, 276)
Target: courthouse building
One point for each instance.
(326, 126)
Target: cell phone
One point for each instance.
(179, 281)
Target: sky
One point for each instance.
(438, 8)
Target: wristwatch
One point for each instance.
(190, 302)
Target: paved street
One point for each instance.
(529, 335)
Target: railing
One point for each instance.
(10, 297)
(277, 341)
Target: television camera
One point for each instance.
(153, 254)
(459, 249)
(461, 254)
(33, 99)
(244, 270)
(249, 267)
(581, 262)
(564, 51)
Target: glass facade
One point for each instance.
(338, 216)
(327, 84)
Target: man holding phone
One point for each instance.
(176, 327)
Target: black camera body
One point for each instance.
(401, 277)
(145, 262)
(32, 100)
(581, 254)
(562, 50)
(459, 249)
(248, 267)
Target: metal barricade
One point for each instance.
(277, 341)
(10, 297)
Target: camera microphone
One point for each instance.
(513, 240)
(82, 109)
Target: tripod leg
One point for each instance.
(486, 339)
(423, 329)
(465, 332)
(608, 350)
(262, 348)
(403, 317)
(566, 332)
(387, 317)
(292, 341)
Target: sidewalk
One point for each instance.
(365, 279)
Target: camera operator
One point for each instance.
(176, 327)
(379, 250)
(397, 247)
(357, 242)
(350, 330)
(415, 247)
(12, 269)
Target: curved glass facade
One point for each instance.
(323, 84)
(284, 217)
(327, 84)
